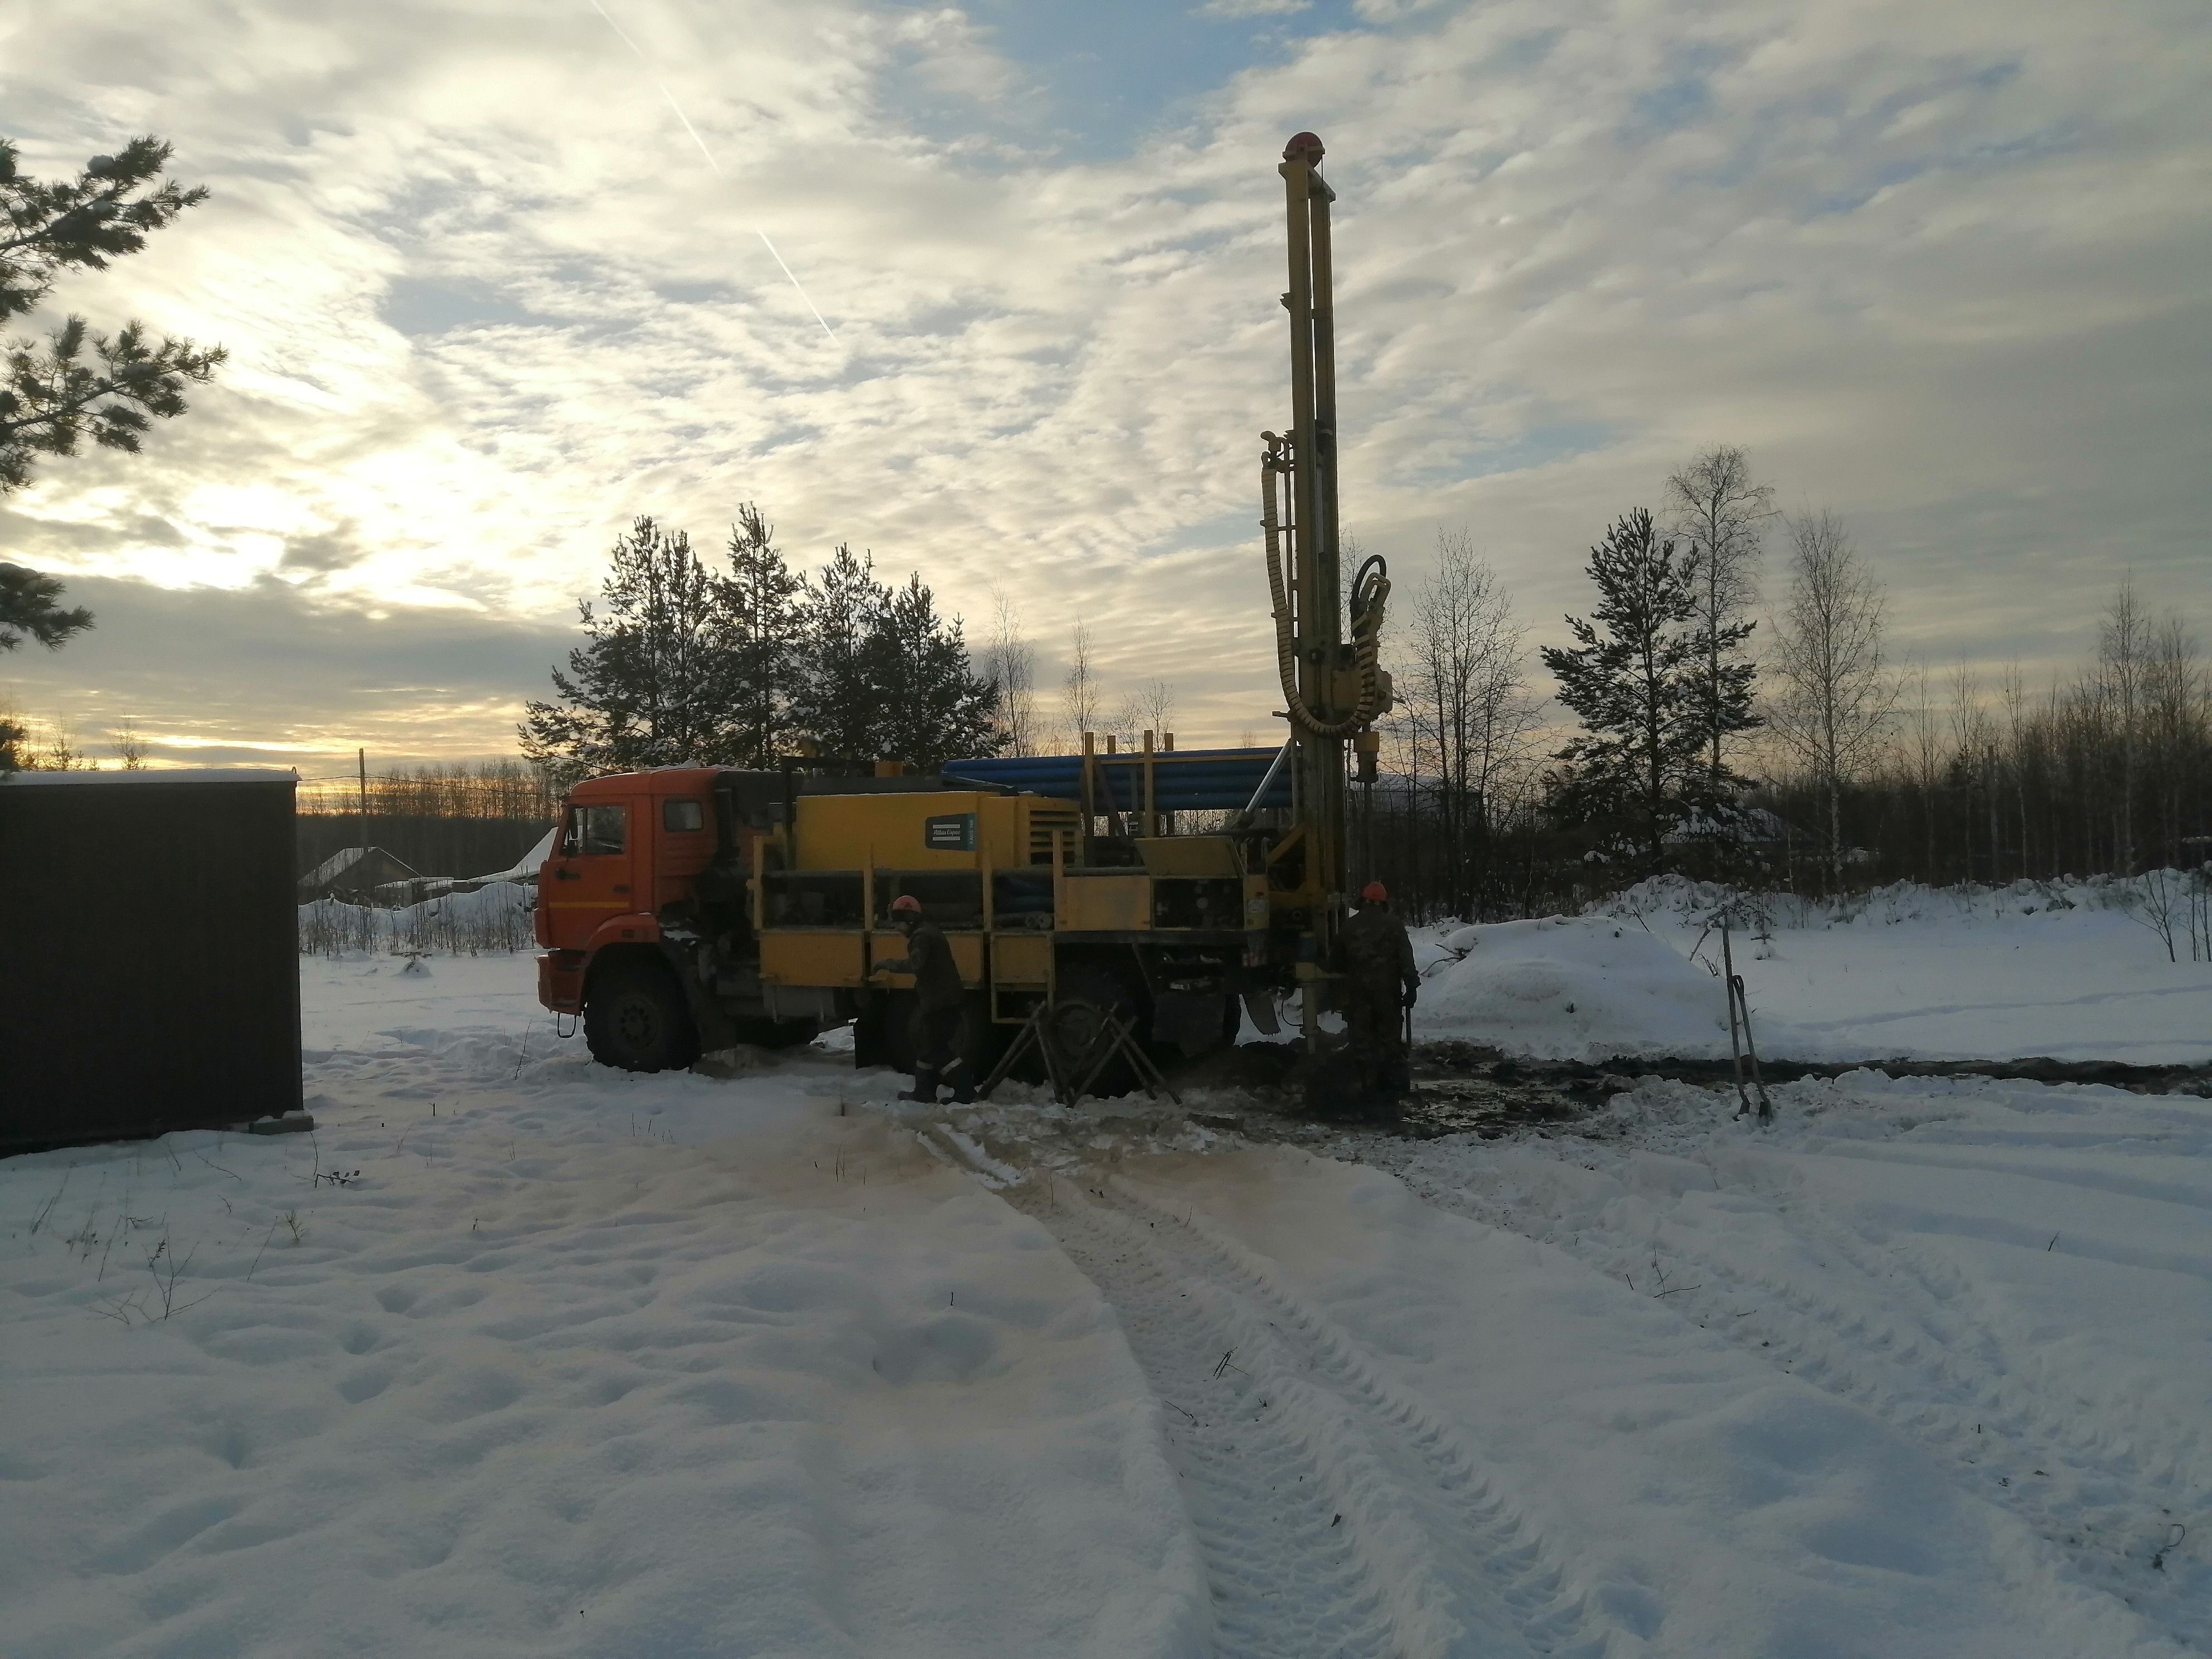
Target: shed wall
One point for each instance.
(148, 957)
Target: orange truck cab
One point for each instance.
(643, 910)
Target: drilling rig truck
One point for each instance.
(691, 908)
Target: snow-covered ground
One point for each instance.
(516, 1355)
(2030, 970)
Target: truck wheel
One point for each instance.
(1087, 994)
(634, 1020)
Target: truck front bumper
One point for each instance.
(560, 980)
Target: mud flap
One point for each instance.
(709, 1018)
(1261, 1005)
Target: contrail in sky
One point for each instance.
(711, 161)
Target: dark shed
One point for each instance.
(149, 953)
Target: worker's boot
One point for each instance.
(925, 1085)
(962, 1082)
(1397, 1075)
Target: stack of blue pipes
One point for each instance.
(1183, 780)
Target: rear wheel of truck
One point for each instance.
(635, 1019)
(1087, 994)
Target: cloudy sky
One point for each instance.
(1939, 267)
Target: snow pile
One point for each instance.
(2074, 970)
(1682, 899)
(1571, 988)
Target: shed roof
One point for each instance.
(345, 859)
(167, 774)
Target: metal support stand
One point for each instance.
(1119, 1037)
(1740, 1009)
(1031, 1036)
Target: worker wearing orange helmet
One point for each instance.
(940, 1001)
(1380, 984)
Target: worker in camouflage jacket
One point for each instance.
(940, 1002)
(1380, 984)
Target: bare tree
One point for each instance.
(1078, 692)
(1972, 740)
(1464, 699)
(1834, 691)
(1008, 660)
(129, 747)
(1716, 506)
(2174, 711)
(2124, 652)
(1150, 708)
(2020, 745)
(1923, 759)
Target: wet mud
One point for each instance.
(1462, 1087)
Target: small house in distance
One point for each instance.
(151, 977)
(354, 874)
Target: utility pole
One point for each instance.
(363, 756)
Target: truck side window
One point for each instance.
(593, 830)
(683, 815)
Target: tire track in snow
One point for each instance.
(1911, 1349)
(1338, 1516)
(1932, 1366)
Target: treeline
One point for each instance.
(504, 788)
(688, 663)
(2110, 773)
(1724, 727)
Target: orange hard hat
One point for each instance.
(906, 904)
(1374, 893)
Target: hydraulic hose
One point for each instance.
(1371, 590)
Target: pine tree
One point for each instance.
(30, 607)
(51, 399)
(933, 707)
(836, 701)
(654, 683)
(764, 600)
(1640, 689)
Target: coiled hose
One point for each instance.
(1371, 589)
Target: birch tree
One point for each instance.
(1833, 692)
(1720, 511)
(1008, 661)
(1078, 692)
(1465, 711)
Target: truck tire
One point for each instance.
(1086, 993)
(636, 1021)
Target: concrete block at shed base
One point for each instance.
(292, 1123)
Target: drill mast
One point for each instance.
(1333, 689)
